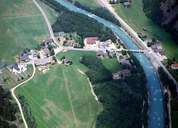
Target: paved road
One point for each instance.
(156, 110)
(16, 99)
(153, 57)
(128, 29)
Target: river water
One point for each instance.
(156, 110)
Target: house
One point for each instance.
(60, 37)
(101, 54)
(125, 62)
(66, 61)
(91, 42)
(127, 4)
(174, 66)
(61, 40)
(18, 68)
(121, 74)
(157, 48)
(43, 62)
(43, 53)
(24, 57)
(107, 45)
(71, 43)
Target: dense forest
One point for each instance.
(122, 99)
(168, 84)
(99, 11)
(8, 110)
(164, 13)
(73, 22)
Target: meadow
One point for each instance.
(22, 26)
(61, 97)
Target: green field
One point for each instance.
(90, 3)
(61, 98)
(136, 18)
(111, 64)
(22, 26)
(50, 12)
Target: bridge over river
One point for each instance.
(156, 110)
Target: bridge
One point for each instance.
(131, 50)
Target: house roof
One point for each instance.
(46, 51)
(43, 61)
(174, 65)
(15, 66)
(24, 56)
(91, 40)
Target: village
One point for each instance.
(45, 54)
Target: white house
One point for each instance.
(91, 42)
(18, 68)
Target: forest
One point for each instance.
(73, 22)
(8, 110)
(164, 13)
(122, 100)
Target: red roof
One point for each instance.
(174, 65)
(91, 40)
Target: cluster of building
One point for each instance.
(41, 57)
(63, 40)
(125, 61)
(17, 68)
(156, 47)
(95, 43)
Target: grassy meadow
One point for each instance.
(50, 12)
(90, 3)
(137, 19)
(22, 26)
(61, 97)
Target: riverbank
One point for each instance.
(142, 22)
(156, 104)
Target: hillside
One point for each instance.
(22, 26)
(165, 13)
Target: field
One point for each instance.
(111, 64)
(136, 18)
(90, 3)
(50, 12)
(61, 97)
(22, 26)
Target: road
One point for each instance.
(48, 24)
(34, 69)
(153, 57)
(16, 99)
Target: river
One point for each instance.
(156, 110)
